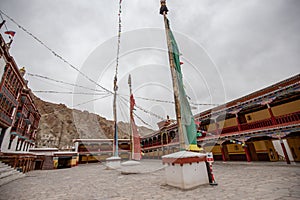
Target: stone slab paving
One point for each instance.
(93, 181)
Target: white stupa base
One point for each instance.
(113, 162)
(130, 163)
(131, 167)
(185, 169)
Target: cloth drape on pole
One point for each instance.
(187, 119)
(116, 143)
(136, 143)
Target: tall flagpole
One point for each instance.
(131, 115)
(114, 162)
(116, 153)
(134, 135)
(164, 11)
(116, 148)
(191, 162)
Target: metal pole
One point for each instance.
(175, 86)
(284, 151)
(116, 153)
(131, 117)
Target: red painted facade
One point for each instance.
(18, 115)
(243, 129)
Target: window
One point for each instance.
(9, 144)
(20, 148)
(17, 145)
(8, 75)
(2, 101)
(27, 147)
(25, 144)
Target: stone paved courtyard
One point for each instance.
(93, 181)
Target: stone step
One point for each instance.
(10, 178)
(4, 169)
(3, 165)
(8, 174)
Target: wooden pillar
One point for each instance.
(252, 151)
(33, 164)
(27, 164)
(217, 127)
(247, 154)
(24, 168)
(238, 121)
(223, 153)
(30, 164)
(42, 164)
(271, 114)
(284, 152)
(22, 164)
(15, 162)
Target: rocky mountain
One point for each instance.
(59, 125)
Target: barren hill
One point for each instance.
(59, 125)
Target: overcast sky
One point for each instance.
(230, 48)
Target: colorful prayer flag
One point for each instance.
(187, 118)
(11, 33)
(132, 102)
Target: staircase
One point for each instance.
(8, 174)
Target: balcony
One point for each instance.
(4, 117)
(24, 110)
(18, 130)
(230, 129)
(9, 95)
(283, 119)
(31, 118)
(257, 124)
(18, 127)
(36, 124)
(288, 118)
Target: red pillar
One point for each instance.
(223, 153)
(247, 154)
(272, 115)
(238, 122)
(284, 152)
(218, 132)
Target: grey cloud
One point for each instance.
(253, 44)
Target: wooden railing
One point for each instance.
(31, 118)
(283, 119)
(18, 130)
(9, 93)
(36, 123)
(22, 162)
(257, 124)
(159, 142)
(229, 129)
(5, 117)
(24, 110)
(288, 118)
(292, 117)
